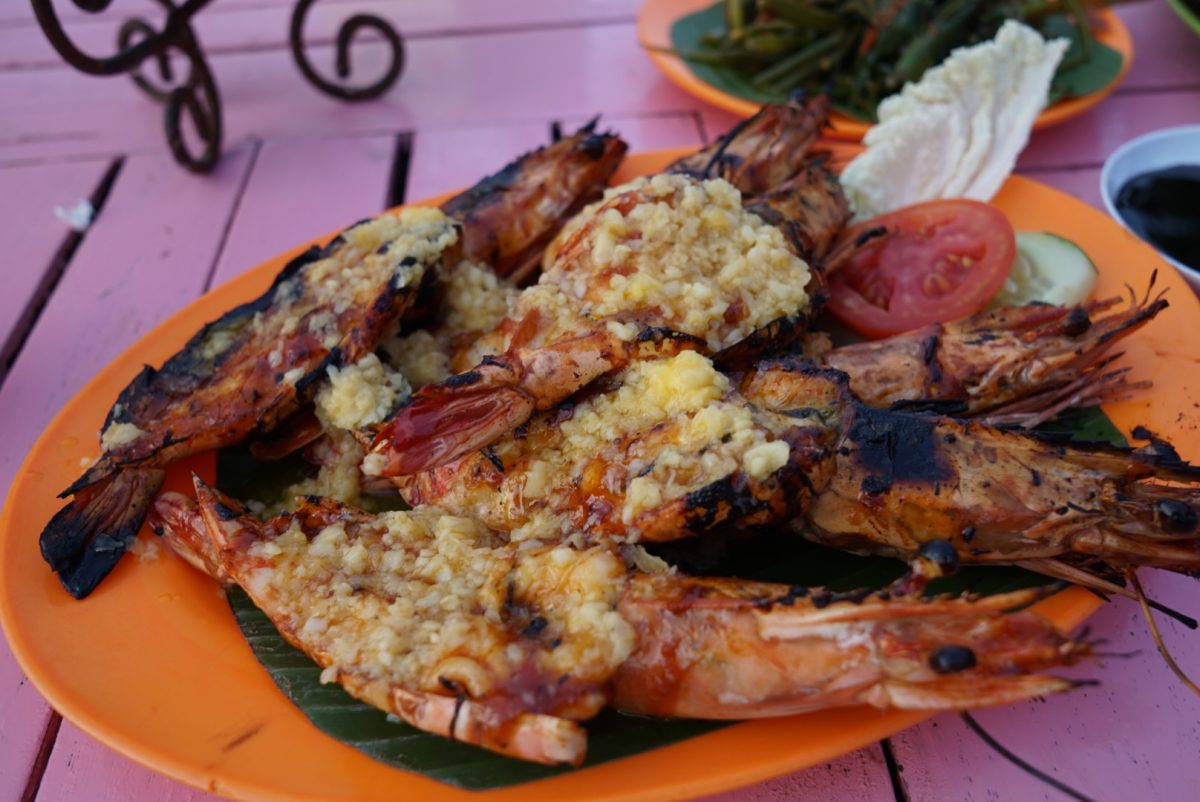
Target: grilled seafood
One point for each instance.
(676, 448)
(438, 620)
(1014, 365)
(670, 448)
(256, 365)
(900, 479)
(770, 159)
(669, 257)
(637, 271)
(763, 152)
(510, 217)
(249, 369)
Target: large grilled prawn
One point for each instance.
(440, 621)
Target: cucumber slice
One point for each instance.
(1048, 268)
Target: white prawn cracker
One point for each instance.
(957, 131)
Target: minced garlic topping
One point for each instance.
(673, 426)
(391, 248)
(690, 251)
(339, 477)
(420, 357)
(119, 434)
(361, 394)
(426, 601)
(666, 251)
(475, 300)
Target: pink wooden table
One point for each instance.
(484, 81)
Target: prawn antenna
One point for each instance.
(1158, 641)
(1019, 763)
(719, 154)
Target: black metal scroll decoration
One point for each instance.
(345, 38)
(195, 96)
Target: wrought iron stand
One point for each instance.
(196, 94)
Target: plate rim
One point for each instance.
(1069, 608)
(652, 15)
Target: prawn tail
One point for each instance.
(84, 540)
(471, 410)
(442, 422)
(179, 521)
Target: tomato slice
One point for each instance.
(942, 261)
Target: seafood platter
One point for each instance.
(487, 466)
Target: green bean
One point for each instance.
(799, 59)
(803, 14)
(722, 58)
(1081, 24)
(771, 43)
(903, 25)
(934, 42)
(815, 61)
(735, 16)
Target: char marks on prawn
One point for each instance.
(245, 371)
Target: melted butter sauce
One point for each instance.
(1163, 207)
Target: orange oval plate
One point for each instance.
(656, 17)
(153, 664)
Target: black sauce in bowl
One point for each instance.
(1163, 207)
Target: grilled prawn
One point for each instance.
(665, 449)
(438, 620)
(1014, 365)
(900, 479)
(676, 448)
(328, 308)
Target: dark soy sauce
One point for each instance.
(1163, 207)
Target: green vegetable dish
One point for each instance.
(864, 50)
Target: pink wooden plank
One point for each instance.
(1133, 737)
(225, 28)
(82, 769)
(23, 719)
(35, 234)
(302, 188)
(1089, 139)
(860, 776)
(147, 254)
(449, 82)
(678, 130)
(447, 159)
(1166, 53)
